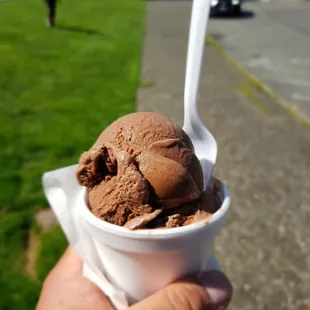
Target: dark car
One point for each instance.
(226, 6)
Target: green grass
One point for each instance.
(52, 245)
(58, 89)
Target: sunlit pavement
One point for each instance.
(263, 158)
(272, 40)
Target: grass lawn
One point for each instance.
(58, 89)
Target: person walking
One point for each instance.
(51, 13)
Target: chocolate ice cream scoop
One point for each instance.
(141, 165)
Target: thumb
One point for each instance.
(212, 293)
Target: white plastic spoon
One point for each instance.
(203, 141)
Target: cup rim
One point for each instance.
(154, 233)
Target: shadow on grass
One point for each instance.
(243, 15)
(78, 29)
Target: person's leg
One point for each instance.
(53, 12)
(51, 16)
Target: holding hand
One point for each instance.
(65, 288)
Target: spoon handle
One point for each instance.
(198, 27)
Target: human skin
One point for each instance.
(65, 288)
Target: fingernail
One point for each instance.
(218, 288)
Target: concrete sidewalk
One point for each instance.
(272, 40)
(264, 158)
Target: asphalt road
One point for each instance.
(272, 40)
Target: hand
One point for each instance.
(66, 289)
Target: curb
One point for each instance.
(258, 85)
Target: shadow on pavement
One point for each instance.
(78, 29)
(243, 15)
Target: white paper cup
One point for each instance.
(140, 262)
(129, 265)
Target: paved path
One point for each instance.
(272, 40)
(263, 158)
